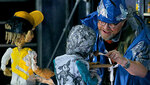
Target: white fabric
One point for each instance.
(16, 79)
(33, 56)
(111, 70)
(5, 58)
(66, 70)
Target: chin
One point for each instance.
(107, 37)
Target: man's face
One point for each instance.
(108, 31)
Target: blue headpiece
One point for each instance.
(112, 11)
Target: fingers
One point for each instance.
(111, 54)
(7, 72)
(114, 55)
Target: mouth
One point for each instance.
(106, 32)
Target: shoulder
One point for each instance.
(31, 52)
(28, 49)
(90, 20)
(147, 32)
(9, 49)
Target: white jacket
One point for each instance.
(66, 70)
(21, 65)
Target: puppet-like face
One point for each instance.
(15, 28)
(20, 41)
(24, 38)
(19, 28)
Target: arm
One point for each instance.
(5, 58)
(42, 72)
(46, 81)
(148, 75)
(135, 68)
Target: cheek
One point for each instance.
(99, 27)
(115, 31)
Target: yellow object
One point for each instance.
(37, 16)
(19, 64)
(34, 17)
(137, 7)
(25, 15)
(148, 8)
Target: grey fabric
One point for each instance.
(80, 40)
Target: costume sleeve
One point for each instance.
(142, 53)
(85, 74)
(91, 21)
(33, 60)
(42, 72)
(148, 75)
(5, 58)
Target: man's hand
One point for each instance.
(116, 57)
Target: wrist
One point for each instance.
(123, 62)
(3, 67)
(126, 64)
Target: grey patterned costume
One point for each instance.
(79, 44)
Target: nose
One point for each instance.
(106, 26)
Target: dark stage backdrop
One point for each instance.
(56, 14)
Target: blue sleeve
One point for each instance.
(85, 74)
(142, 50)
(148, 75)
(91, 21)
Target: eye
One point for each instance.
(112, 25)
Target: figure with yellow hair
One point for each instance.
(19, 30)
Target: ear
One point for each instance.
(29, 36)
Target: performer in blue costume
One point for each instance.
(125, 39)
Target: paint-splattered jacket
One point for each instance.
(134, 44)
